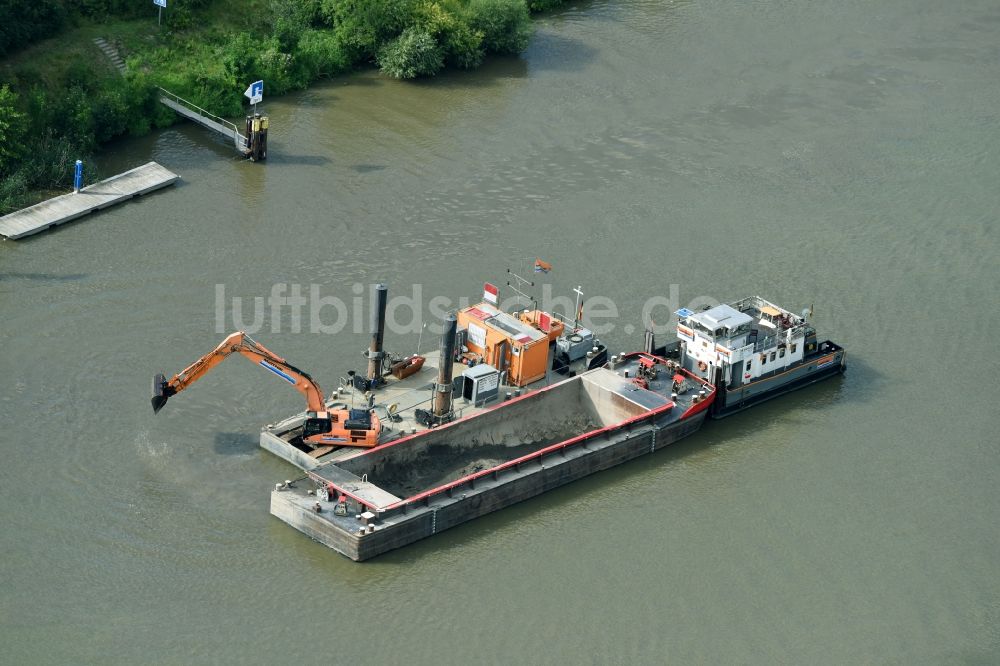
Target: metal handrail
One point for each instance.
(204, 112)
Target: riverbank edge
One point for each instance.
(44, 168)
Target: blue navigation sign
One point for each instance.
(255, 92)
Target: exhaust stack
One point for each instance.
(442, 392)
(649, 342)
(375, 353)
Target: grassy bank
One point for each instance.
(61, 97)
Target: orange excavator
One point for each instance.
(323, 426)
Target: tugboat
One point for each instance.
(753, 350)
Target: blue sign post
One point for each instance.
(78, 176)
(159, 12)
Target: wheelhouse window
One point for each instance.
(794, 346)
(748, 365)
(781, 353)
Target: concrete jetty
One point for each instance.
(114, 190)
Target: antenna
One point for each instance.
(420, 337)
(576, 313)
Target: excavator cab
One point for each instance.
(316, 423)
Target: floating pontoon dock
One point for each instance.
(100, 195)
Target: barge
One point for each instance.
(379, 499)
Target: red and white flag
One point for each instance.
(491, 294)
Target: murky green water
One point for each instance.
(843, 154)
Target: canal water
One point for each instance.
(839, 155)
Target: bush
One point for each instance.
(52, 159)
(11, 129)
(363, 26)
(505, 24)
(74, 117)
(461, 45)
(110, 114)
(24, 22)
(291, 18)
(322, 54)
(12, 190)
(412, 54)
(143, 103)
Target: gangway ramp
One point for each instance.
(205, 119)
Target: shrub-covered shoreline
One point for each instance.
(61, 98)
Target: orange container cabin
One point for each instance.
(519, 346)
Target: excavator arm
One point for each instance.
(240, 343)
(322, 427)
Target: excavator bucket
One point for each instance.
(159, 393)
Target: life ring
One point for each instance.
(575, 338)
(702, 366)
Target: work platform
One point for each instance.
(114, 190)
(402, 396)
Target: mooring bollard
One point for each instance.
(256, 128)
(78, 176)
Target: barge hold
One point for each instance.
(379, 499)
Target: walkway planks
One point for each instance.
(68, 207)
